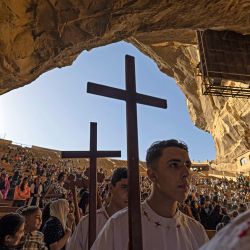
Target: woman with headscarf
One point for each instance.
(57, 229)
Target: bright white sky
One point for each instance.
(55, 111)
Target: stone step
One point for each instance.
(6, 202)
(8, 209)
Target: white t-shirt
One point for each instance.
(234, 236)
(79, 239)
(159, 233)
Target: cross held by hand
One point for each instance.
(92, 154)
(131, 97)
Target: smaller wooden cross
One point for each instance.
(92, 154)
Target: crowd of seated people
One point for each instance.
(214, 202)
(45, 208)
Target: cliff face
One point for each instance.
(39, 35)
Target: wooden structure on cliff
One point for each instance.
(224, 63)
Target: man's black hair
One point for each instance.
(118, 174)
(60, 176)
(45, 214)
(155, 150)
(84, 200)
(9, 224)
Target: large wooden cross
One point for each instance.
(131, 97)
(92, 154)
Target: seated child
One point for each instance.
(33, 220)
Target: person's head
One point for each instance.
(225, 203)
(45, 214)
(224, 210)
(16, 174)
(119, 187)
(216, 199)
(33, 218)
(37, 180)
(217, 210)
(194, 204)
(71, 207)
(187, 202)
(207, 199)
(226, 219)
(3, 176)
(11, 229)
(235, 207)
(60, 210)
(168, 167)
(242, 208)
(61, 177)
(80, 193)
(23, 183)
(84, 200)
(202, 200)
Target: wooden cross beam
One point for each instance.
(131, 98)
(92, 154)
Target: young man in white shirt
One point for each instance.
(163, 225)
(118, 201)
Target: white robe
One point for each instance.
(178, 233)
(79, 239)
(234, 236)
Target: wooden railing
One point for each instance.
(210, 233)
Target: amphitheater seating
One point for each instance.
(4, 204)
(7, 209)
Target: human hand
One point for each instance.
(70, 220)
(68, 231)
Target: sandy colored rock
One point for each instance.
(37, 36)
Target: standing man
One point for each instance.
(163, 225)
(118, 201)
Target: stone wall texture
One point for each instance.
(39, 35)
